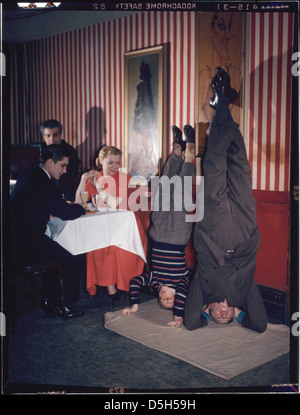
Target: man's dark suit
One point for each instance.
(34, 199)
(227, 239)
(67, 182)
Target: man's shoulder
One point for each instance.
(33, 174)
(68, 146)
(31, 180)
(70, 149)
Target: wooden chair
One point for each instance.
(32, 271)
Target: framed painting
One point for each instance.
(143, 112)
(220, 43)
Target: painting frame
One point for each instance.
(143, 113)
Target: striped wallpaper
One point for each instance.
(77, 78)
(268, 80)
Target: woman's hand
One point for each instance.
(91, 175)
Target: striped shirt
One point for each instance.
(168, 268)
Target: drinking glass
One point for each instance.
(95, 200)
(84, 197)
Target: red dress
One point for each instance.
(113, 265)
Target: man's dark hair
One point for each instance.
(54, 152)
(51, 124)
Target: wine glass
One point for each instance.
(84, 197)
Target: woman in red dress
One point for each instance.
(110, 267)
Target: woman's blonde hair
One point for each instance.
(104, 152)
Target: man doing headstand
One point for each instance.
(227, 238)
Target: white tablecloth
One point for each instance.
(98, 230)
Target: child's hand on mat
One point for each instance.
(177, 321)
(131, 309)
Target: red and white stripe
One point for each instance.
(78, 78)
(268, 80)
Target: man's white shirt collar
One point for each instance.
(46, 172)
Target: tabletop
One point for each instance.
(98, 230)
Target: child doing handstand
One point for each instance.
(170, 233)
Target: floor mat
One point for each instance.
(223, 350)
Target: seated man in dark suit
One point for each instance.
(51, 131)
(227, 238)
(34, 200)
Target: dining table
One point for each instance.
(96, 230)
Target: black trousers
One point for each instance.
(44, 249)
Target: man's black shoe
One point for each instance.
(221, 85)
(177, 135)
(189, 133)
(217, 90)
(69, 312)
(52, 311)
